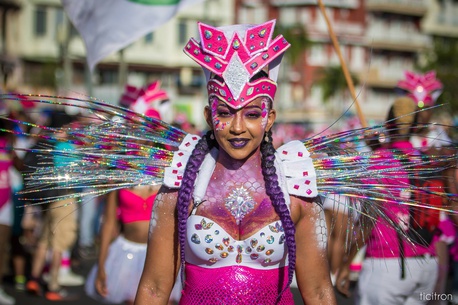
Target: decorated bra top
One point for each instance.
(133, 207)
(208, 244)
(236, 53)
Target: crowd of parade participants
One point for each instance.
(135, 238)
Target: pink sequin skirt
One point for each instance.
(235, 285)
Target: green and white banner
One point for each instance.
(107, 26)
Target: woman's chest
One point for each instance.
(241, 209)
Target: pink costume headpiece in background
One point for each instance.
(424, 89)
(141, 99)
(236, 53)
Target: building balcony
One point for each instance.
(404, 7)
(328, 3)
(400, 46)
(383, 74)
(442, 21)
(397, 37)
(10, 5)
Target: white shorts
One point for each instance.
(123, 267)
(380, 281)
(6, 214)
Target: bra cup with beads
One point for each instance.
(210, 246)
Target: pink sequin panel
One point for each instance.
(235, 285)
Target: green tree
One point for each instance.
(332, 81)
(443, 58)
(296, 35)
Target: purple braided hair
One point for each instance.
(277, 198)
(187, 186)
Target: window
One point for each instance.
(149, 38)
(182, 32)
(40, 21)
(60, 24)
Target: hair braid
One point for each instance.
(186, 190)
(277, 198)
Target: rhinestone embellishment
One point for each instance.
(239, 203)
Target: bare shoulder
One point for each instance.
(301, 207)
(166, 199)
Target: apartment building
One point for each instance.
(379, 39)
(394, 40)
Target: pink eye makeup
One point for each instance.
(218, 112)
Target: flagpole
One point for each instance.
(348, 78)
(122, 70)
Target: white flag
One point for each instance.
(107, 26)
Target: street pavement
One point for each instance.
(23, 298)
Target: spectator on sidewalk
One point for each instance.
(60, 227)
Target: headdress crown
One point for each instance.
(236, 53)
(424, 89)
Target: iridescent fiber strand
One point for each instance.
(134, 149)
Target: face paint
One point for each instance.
(265, 112)
(321, 232)
(217, 124)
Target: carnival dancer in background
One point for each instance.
(124, 232)
(60, 227)
(395, 270)
(432, 139)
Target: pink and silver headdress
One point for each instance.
(424, 89)
(144, 100)
(236, 53)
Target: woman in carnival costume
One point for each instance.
(238, 216)
(236, 224)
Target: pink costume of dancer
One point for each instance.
(384, 236)
(133, 207)
(5, 164)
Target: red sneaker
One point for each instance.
(60, 295)
(34, 287)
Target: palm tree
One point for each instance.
(296, 35)
(443, 58)
(332, 81)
